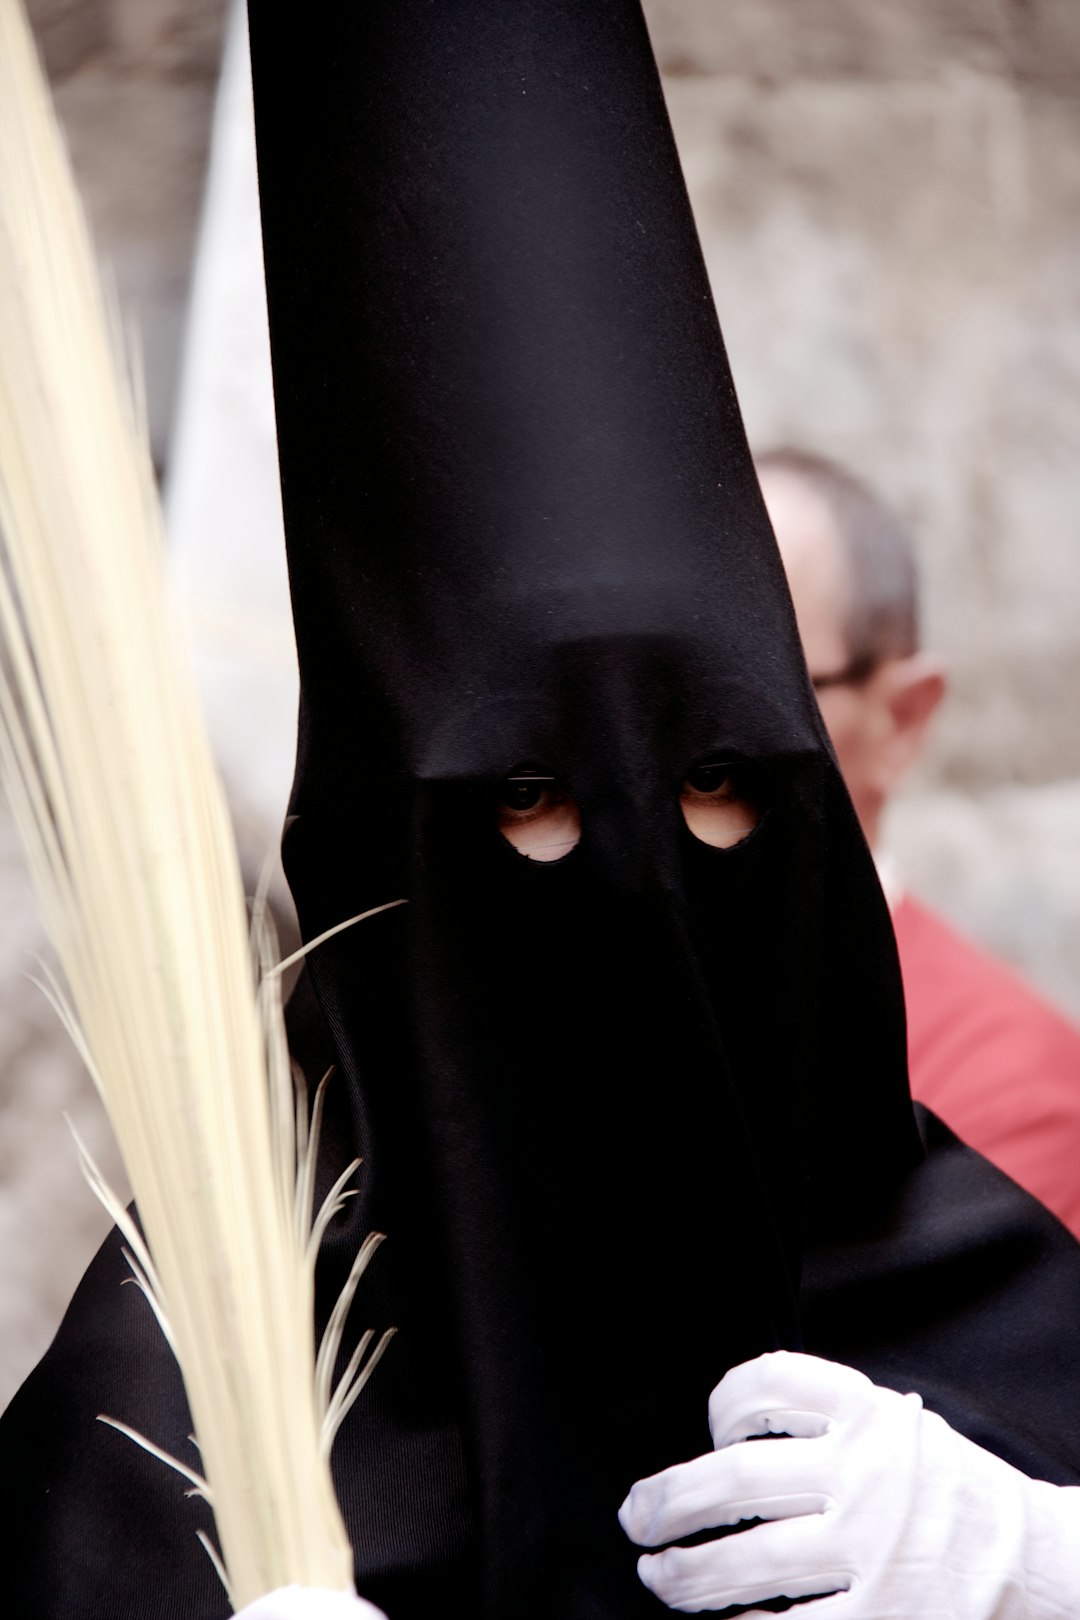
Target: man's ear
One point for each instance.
(912, 689)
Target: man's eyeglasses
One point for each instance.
(852, 674)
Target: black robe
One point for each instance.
(629, 1117)
(964, 1288)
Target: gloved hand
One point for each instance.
(304, 1603)
(874, 1500)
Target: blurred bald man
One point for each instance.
(986, 1053)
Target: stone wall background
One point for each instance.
(889, 203)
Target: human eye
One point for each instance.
(536, 814)
(720, 801)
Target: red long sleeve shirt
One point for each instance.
(995, 1061)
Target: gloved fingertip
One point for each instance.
(648, 1573)
(634, 1514)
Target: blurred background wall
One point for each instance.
(889, 201)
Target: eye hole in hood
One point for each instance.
(721, 801)
(536, 814)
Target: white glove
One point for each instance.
(305, 1603)
(876, 1501)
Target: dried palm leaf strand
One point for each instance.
(107, 767)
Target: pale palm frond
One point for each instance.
(106, 765)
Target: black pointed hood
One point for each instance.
(609, 1105)
(600, 1099)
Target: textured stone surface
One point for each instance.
(889, 203)
(893, 234)
(134, 84)
(1003, 865)
(50, 1222)
(868, 42)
